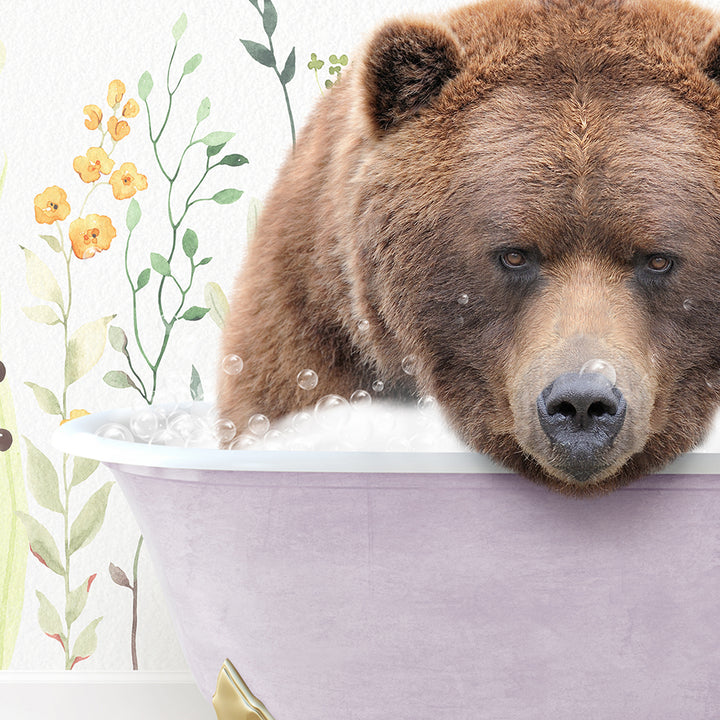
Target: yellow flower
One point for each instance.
(75, 414)
(91, 165)
(126, 181)
(131, 109)
(51, 205)
(94, 114)
(118, 129)
(91, 234)
(116, 90)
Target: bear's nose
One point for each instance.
(581, 414)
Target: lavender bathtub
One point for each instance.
(368, 586)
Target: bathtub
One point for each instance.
(368, 586)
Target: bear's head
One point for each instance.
(536, 218)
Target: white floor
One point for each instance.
(101, 696)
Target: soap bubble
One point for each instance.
(360, 398)
(115, 431)
(427, 403)
(688, 305)
(307, 379)
(244, 442)
(224, 429)
(378, 386)
(273, 440)
(182, 423)
(165, 436)
(601, 367)
(258, 424)
(332, 411)
(144, 424)
(301, 421)
(463, 299)
(409, 364)
(232, 364)
(363, 326)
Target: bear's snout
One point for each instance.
(581, 414)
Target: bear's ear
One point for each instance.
(710, 56)
(406, 65)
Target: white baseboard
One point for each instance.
(101, 696)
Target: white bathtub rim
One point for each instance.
(77, 437)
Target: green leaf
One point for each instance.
(85, 348)
(86, 642)
(118, 379)
(160, 264)
(132, 218)
(179, 27)
(234, 160)
(118, 339)
(288, 72)
(76, 601)
(89, 519)
(215, 149)
(196, 388)
(216, 299)
(259, 53)
(203, 110)
(45, 399)
(41, 543)
(217, 138)
(143, 278)
(191, 64)
(195, 313)
(42, 479)
(40, 280)
(314, 63)
(228, 196)
(145, 85)
(269, 18)
(42, 314)
(83, 468)
(254, 3)
(204, 261)
(190, 243)
(48, 616)
(52, 241)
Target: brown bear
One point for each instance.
(505, 193)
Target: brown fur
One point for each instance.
(584, 133)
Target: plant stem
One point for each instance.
(133, 639)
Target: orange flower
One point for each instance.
(131, 109)
(91, 234)
(91, 165)
(116, 90)
(75, 414)
(51, 205)
(94, 114)
(118, 128)
(126, 181)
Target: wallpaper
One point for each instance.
(137, 142)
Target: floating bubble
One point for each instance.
(601, 367)
(224, 429)
(378, 386)
(165, 436)
(688, 305)
(301, 421)
(244, 442)
(363, 326)
(427, 403)
(360, 398)
(332, 411)
(115, 431)
(273, 440)
(307, 379)
(409, 364)
(232, 364)
(258, 424)
(144, 424)
(183, 424)
(463, 299)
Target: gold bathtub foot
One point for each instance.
(233, 700)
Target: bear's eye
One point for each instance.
(513, 259)
(659, 264)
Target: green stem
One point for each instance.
(135, 324)
(285, 92)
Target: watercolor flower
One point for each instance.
(90, 165)
(131, 109)
(116, 90)
(95, 116)
(90, 235)
(118, 129)
(126, 181)
(51, 205)
(75, 414)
